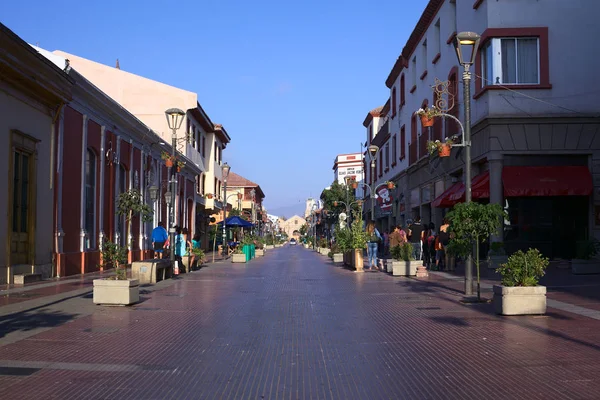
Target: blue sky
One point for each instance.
(290, 81)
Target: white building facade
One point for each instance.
(349, 165)
(535, 140)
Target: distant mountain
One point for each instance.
(288, 211)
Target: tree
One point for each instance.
(337, 193)
(131, 204)
(474, 223)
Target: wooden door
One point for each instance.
(21, 206)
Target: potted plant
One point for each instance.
(442, 148)
(198, 256)
(519, 293)
(259, 244)
(336, 253)
(359, 241)
(168, 159)
(269, 242)
(238, 255)
(117, 289)
(180, 165)
(403, 263)
(473, 223)
(586, 261)
(131, 204)
(496, 255)
(323, 249)
(427, 115)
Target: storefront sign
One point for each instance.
(385, 200)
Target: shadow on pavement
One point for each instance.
(32, 319)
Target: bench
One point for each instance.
(22, 279)
(151, 271)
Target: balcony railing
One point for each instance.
(412, 153)
(194, 155)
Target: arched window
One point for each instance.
(393, 102)
(90, 198)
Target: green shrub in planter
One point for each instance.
(402, 252)
(587, 249)
(343, 239)
(523, 269)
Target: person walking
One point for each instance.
(374, 239)
(440, 246)
(159, 238)
(415, 237)
(429, 245)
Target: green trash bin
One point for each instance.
(246, 250)
(253, 251)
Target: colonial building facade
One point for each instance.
(200, 140)
(33, 93)
(349, 165)
(535, 140)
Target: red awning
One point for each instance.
(443, 200)
(480, 189)
(547, 181)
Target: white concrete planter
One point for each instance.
(338, 258)
(238, 258)
(405, 268)
(269, 246)
(113, 292)
(495, 261)
(277, 245)
(519, 300)
(306, 245)
(323, 251)
(259, 252)
(580, 267)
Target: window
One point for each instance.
(414, 70)
(424, 55)
(387, 155)
(402, 90)
(394, 149)
(193, 136)
(450, 125)
(90, 198)
(216, 151)
(393, 102)
(437, 42)
(402, 142)
(21, 192)
(452, 19)
(203, 146)
(370, 133)
(510, 61)
(203, 184)
(380, 166)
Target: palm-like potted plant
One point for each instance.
(473, 223)
(403, 263)
(519, 293)
(115, 290)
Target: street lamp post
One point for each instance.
(373, 150)
(462, 43)
(225, 172)
(174, 120)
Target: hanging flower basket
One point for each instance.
(427, 115)
(169, 163)
(444, 150)
(426, 121)
(391, 185)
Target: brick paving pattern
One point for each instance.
(292, 325)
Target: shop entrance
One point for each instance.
(551, 224)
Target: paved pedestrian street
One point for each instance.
(292, 325)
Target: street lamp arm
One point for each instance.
(462, 129)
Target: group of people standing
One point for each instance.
(183, 246)
(428, 244)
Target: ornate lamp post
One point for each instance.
(463, 42)
(175, 118)
(372, 152)
(225, 172)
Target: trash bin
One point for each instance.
(246, 251)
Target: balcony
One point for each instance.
(412, 153)
(194, 155)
